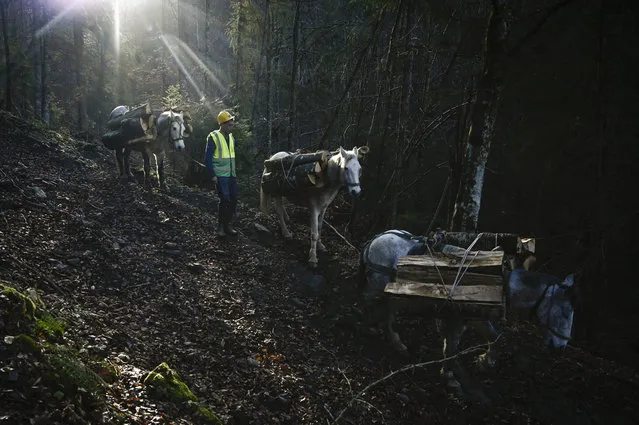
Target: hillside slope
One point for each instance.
(139, 279)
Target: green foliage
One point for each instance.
(50, 327)
(174, 97)
(70, 374)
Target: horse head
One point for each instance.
(350, 168)
(549, 299)
(556, 312)
(176, 130)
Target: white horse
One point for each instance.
(343, 170)
(170, 135)
(545, 297)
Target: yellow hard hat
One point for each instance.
(223, 117)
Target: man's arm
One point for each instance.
(208, 154)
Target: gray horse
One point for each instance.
(170, 135)
(549, 299)
(343, 170)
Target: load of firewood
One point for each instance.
(135, 124)
(462, 275)
(294, 172)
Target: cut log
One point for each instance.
(510, 243)
(447, 276)
(288, 162)
(443, 308)
(491, 294)
(452, 260)
(142, 111)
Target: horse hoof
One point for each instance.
(312, 264)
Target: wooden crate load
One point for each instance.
(294, 172)
(455, 280)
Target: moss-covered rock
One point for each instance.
(165, 384)
(26, 344)
(17, 309)
(204, 415)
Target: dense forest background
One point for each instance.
(548, 87)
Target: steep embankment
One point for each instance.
(138, 279)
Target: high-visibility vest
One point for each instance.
(224, 157)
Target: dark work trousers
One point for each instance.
(227, 191)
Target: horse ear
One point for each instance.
(342, 152)
(362, 151)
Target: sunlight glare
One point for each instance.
(181, 65)
(57, 18)
(116, 29)
(201, 64)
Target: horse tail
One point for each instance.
(265, 201)
(361, 270)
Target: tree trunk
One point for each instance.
(37, 60)
(480, 133)
(293, 85)
(78, 47)
(101, 90)
(180, 33)
(207, 35)
(46, 94)
(239, 64)
(404, 116)
(258, 75)
(8, 101)
(360, 60)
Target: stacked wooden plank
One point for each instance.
(136, 124)
(294, 173)
(456, 280)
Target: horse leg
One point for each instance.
(391, 334)
(452, 371)
(320, 221)
(281, 213)
(312, 253)
(127, 166)
(458, 379)
(119, 160)
(159, 161)
(487, 331)
(147, 169)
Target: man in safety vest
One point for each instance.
(219, 158)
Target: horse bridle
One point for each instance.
(172, 119)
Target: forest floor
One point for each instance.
(139, 278)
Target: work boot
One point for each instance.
(227, 224)
(220, 224)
